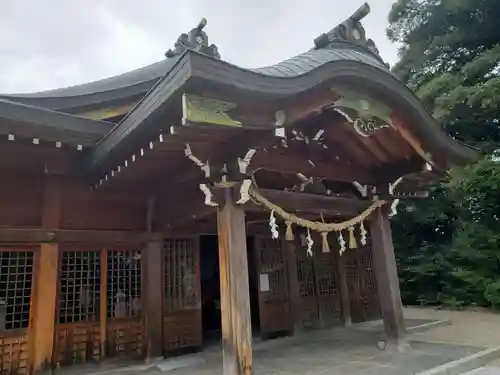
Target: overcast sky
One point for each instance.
(47, 44)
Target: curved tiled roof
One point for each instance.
(138, 82)
(313, 59)
(150, 73)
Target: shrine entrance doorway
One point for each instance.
(210, 288)
(318, 280)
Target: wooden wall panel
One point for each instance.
(125, 337)
(182, 330)
(77, 343)
(21, 200)
(14, 355)
(101, 210)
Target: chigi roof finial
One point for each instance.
(195, 40)
(349, 31)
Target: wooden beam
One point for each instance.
(44, 303)
(235, 300)
(386, 275)
(311, 203)
(54, 236)
(273, 161)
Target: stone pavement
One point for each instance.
(354, 351)
(476, 328)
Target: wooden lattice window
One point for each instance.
(181, 285)
(16, 271)
(124, 284)
(79, 286)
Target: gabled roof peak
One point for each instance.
(195, 40)
(350, 31)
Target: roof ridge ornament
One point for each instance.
(349, 31)
(195, 40)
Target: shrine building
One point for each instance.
(193, 202)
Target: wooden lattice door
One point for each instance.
(327, 291)
(274, 303)
(363, 297)
(307, 288)
(318, 285)
(182, 302)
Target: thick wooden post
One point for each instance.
(345, 303)
(153, 299)
(386, 275)
(235, 299)
(293, 286)
(103, 303)
(154, 287)
(44, 299)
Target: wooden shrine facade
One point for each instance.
(110, 190)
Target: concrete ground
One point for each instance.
(477, 328)
(353, 351)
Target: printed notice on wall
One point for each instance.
(264, 282)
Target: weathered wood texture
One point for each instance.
(96, 237)
(343, 287)
(235, 299)
(386, 274)
(103, 302)
(274, 300)
(21, 200)
(21, 196)
(101, 210)
(44, 300)
(153, 297)
(311, 203)
(364, 303)
(182, 294)
(320, 303)
(293, 284)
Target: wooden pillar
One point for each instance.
(235, 299)
(154, 287)
(343, 288)
(153, 299)
(386, 275)
(43, 311)
(103, 303)
(293, 286)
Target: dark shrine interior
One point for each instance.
(210, 287)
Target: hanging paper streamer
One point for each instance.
(310, 243)
(352, 239)
(289, 232)
(319, 227)
(326, 247)
(273, 226)
(363, 233)
(341, 243)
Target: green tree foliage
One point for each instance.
(448, 247)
